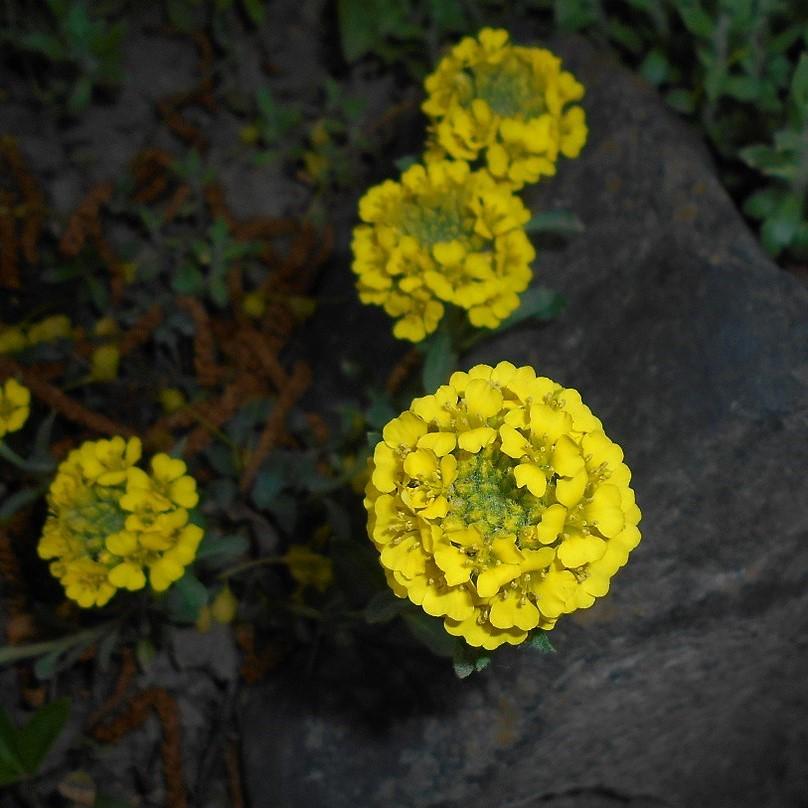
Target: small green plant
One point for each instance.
(274, 121)
(395, 32)
(22, 749)
(84, 50)
(780, 206)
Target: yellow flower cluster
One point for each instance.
(499, 504)
(15, 405)
(15, 338)
(443, 234)
(508, 105)
(110, 523)
(447, 234)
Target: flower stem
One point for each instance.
(7, 453)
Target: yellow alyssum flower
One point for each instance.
(51, 328)
(309, 569)
(104, 363)
(499, 504)
(443, 234)
(12, 339)
(15, 406)
(508, 105)
(112, 526)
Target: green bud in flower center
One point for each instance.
(485, 495)
(511, 90)
(432, 224)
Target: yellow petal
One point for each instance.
(603, 510)
(448, 252)
(569, 492)
(474, 439)
(513, 610)
(548, 422)
(537, 559)
(404, 431)
(530, 475)
(505, 550)
(493, 579)
(386, 468)
(567, 459)
(455, 602)
(514, 443)
(421, 463)
(482, 399)
(578, 549)
(456, 565)
(552, 522)
(441, 443)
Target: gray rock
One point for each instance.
(686, 685)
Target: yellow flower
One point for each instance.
(443, 234)
(308, 568)
(104, 363)
(49, 329)
(171, 399)
(254, 305)
(112, 526)
(499, 504)
(12, 340)
(15, 404)
(505, 104)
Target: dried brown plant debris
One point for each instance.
(274, 426)
(61, 402)
(32, 202)
(135, 714)
(85, 221)
(208, 372)
(126, 677)
(201, 95)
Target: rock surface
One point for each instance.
(686, 686)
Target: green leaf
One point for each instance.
(44, 43)
(467, 659)
(539, 642)
(188, 280)
(373, 439)
(682, 101)
(656, 67)
(217, 550)
(696, 20)
(781, 227)
(79, 98)
(762, 203)
(268, 484)
(17, 501)
(799, 89)
(383, 607)
(537, 303)
(744, 88)
(39, 734)
(403, 163)
(430, 631)
(556, 223)
(380, 410)
(256, 11)
(358, 27)
(11, 766)
(439, 360)
(186, 598)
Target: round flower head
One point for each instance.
(15, 404)
(507, 104)
(499, 504)
(443, 234)
(113, 526)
